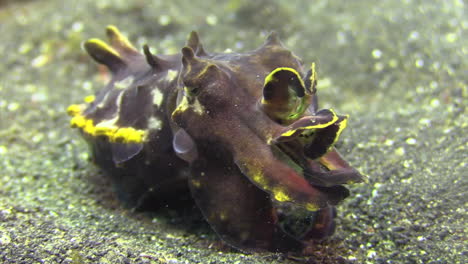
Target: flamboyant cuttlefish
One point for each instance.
(240, 131)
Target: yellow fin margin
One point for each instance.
(113, 133)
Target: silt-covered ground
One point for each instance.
(399, 68)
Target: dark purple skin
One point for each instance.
(240, 132)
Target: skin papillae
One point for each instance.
(240, 132)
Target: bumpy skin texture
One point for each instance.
(240, 132)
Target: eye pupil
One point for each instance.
(195, 90)
(192, 90)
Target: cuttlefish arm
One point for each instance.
(322, 226)
(311, 139)
(238, 211)
(322, 119)
(339, 171)
(281, 181)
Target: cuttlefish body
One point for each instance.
(241, 131)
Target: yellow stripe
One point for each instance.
(115, 35)
(342, 125)
(271, 78)
(291, 132)
(280, 195)
(103, 46)
(89, 99)
(112, 132)
(205, 70)
(75, 109)
(107, 131)
(78, 121)
(128, 135)
(313, 76)
(312, 207)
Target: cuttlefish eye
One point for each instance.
(192, 90)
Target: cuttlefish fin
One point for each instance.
(237, 210)
(184, 146)
(122, 152)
